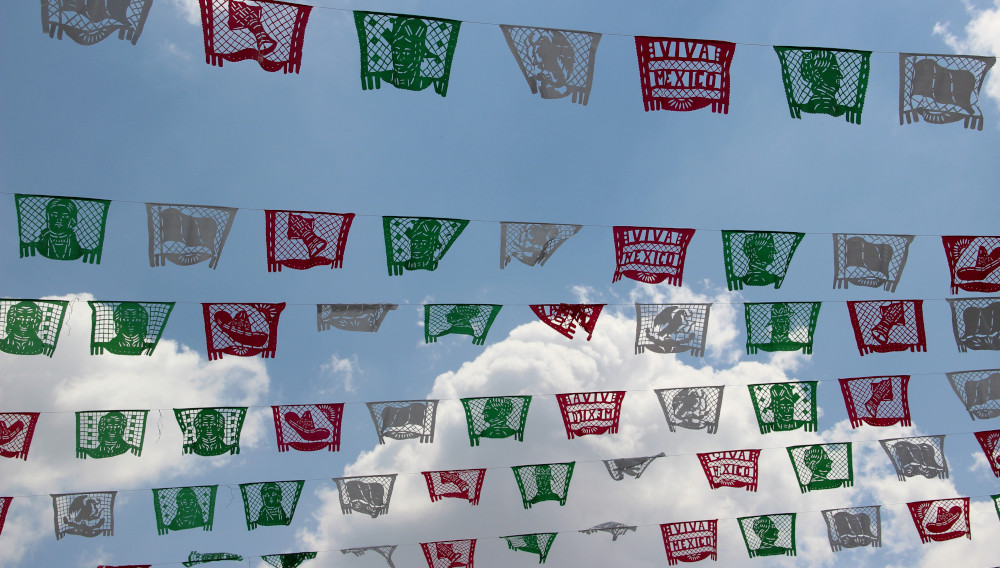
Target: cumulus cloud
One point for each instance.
(343, 370)
(189, 10)
(981, 36)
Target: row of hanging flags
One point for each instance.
(415, 53)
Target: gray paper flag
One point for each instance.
(352, 317)
(614, 528)
(84, 514)
(404, 419)
(942, 88)
(671, 328)
(556, 63)
(694, 408)
(187, 234)
(869, 260)
(385, 550)
(919, 455)
(88, 21)
(367, 494)
(979, 391)
(619, 468)
(854, 527)
(976, 322)
(532, 243)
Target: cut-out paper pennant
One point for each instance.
(456, 483)
(535, 543)
(996, 503)
(869, 260)
(460, 319)
(418, 243)
(304, 239)
(271, 503)
(758, 258)
(532, 243)
(651, 254)
(241, 329)
(781, 407)
(976, 323)
(211, 431)
(613, 528)
(941, 519)
(127, 328)
(556, 63)
(352, 317)
(84, 514)
(404, 419)
(633, 467)
(974, 263)
(62, 228)
(885, 326)
(979, 391)
(449, 553)
(942, 88)
(288, 560)
(109, 433)
(543, 482)
(854, 527)
(990, 442)
(187, 234)
(88, 22)
(917, 456)
(31, 327)
(769, 535)
(496, 417)
(671, 328)
(4, 507)
(182, 508)
(684, 74)
(825, 81)
(16, 431)
(781, 326)
(565, 317)
(269, 32)
(732, 468)
(822, 466)
(308, 427)
(408, 52)
(385, 550)
(366, 494)
(693, 408)
(877, 401)
(590, 413)
(202, 557)
(690, 541)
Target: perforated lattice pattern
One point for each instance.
(694, 408)
(16, 431)
(979, 391)
(973, 262)
(434, 41)
(976, 323)
(877, 401)
(990, 442)
(535, 543)
(613, 528)
(200, 557)
(84, 514)
(187, 234)
(352, 317)
(456, 483)
(385, 551)
(684, 74)
(304, 239)
(44, 322)
(449, 553)
(122, 334)
(366, 494)
(758, 258)
(822, 466)
(941, 519)
(270, 503)
(869, 260)
(565, 317)
(556, 63)
(690, 541)
(781, 407)
(308, 427)
(418, 243)
(671, 328)
(269, 32)
(4, 506)
(633, 467)
(202, 434)
(854, 527)
(543, 482)
(590, 413)
(919, 456)
(732, 468)
(83, 240)
(769, 535)
(651, 254)
(532, 243)
(461, 319)
(942, 88)
(289, 560)
(496, 417)
(787, 326)
(404, 419)
(822, 93)
(886, 326)
(243, 330)
(58, 17)
(126, 431)
(182, 508)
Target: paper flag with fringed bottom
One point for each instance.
(917, 456)
(456, 483)
(84, 514)
(671, 328)
(974, 263)
(565, 317)
(241, 329)
(885, 326)
(869, 260)
(366, 494)
(352, 317)
(288, 560)
(877, 401)
(769, 535)
(418, 243)
(633, 467)
(825, 81)
(535, 543)
(781, 407)
(976, 323)
(308, 427)
(449, 553)
(543, 482)
(182, 508)
(267, 31)
(979, 391)
(556, 63)
(16, 431)
(270, 503)
(4, 506)
(990, 442)
(62, 228)
(187, 234)
(690, 541)
(31, 327)
(822, 466)
(304, 239)
(211, 431)
(651, 254)
(496, 417)
(590, 413)
(87, 23)
(127, 328)
(758, 258)
(460, 319)
(404, 419)
(942, 88)
(532, 243)
(781, 326)
(202, 557)
(693, 408)
(385, 550)
(684, 74)
(408, 52)
(733, 468)
(941, 519)
(854, 527)
(109, 433)
(614, 528)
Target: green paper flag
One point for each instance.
(418, 243)
(182, 508)
(31, 327)
(463, 319)
(271, 503)
(996, 503)
(781, 326)
(62, 228)
(758, 258)
(496, 417)
(290, 560)
(211, 431)
(781, 407)
(769, 535)
(109, 433)
(535, 543)
(202, 557)
(127, 328)
(822, 466)
(408, 52)
(824, 81)
(543, 482)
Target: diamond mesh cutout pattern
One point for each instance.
(31, 327)
(917, 456)
(651, 254)
(854, 527)
(614, 528)
(532, 243)
(941, 519)
(690, 541)
(418, 243)
(887, 326)
(769, 535)
(979, 391)
(758, 258)
(535, 543)
(367, 494)
(822, 466)
(449, 553)
(211, 431)
(182, 508)
(990, 442)
(304, 239)
(289, 560)
(784, 326)
(408, 52)
(781, 407)
(16, 431)
(976, 322)
(4, 506)
(869, 260)
(590, 413)
(385, 551)
(84, 514)
(187, 234)
(877, 401)
(461, 319)
(543, 482)
(108, 433)
(61, 228)
(555, 63)
(973, 262)
(352, 317)
(684, 74)
(308, 427)
(733, 468)
(825, 81)
(271, 33)
(496, 417)
(127, 328)
(89, 25)
(201, 557)
(243, 330)
(671, 328)
(565, 317)
(694, 408)
(456, 483)
(404, 419)
(619, 468)
(271, 503)
(942, 88)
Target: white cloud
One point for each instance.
(981, 36)
(189, 9)
(343, 370)
(176, 51)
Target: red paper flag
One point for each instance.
(308, 427)
(690, 541)
(241, 329)
(458, 483)
(941, 519)
(651, 254)
(877, 401)
(990, 441)
(734, 468)
(973, 262)
(684, 74)
(565, 317)
(304, 239)
(269, 31)
(4, 505)
(886, 326)
(449, 553)
(590, 413)
(16, 430)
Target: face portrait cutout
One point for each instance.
(543, 485)
(189, 514)
(760, 251)
(110, 436)
(821, 71)
(781, 324)
(209, 429)
(424, 235)
(818, 461)
(768, 533)
(496, 413)
(551, 52)
(58, 239)
(131, 324)
(408, 42)
(22, 323)
(782, 407)
(460, 319)
(271, 513)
